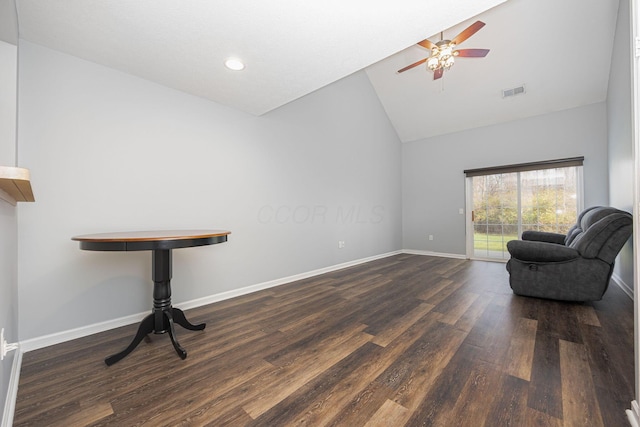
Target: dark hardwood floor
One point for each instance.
(407, 340)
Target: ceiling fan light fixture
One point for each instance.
(433, 63)
(447, 63)
(445, 51)
(442, 56)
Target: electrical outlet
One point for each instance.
(4, 346)
(340, 244)
(430, 236)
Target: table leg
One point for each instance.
(180, 319)
(163, 316)
(146, 327)
(172, 334)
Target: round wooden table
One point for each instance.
(163, 315)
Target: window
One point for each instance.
(507, 200)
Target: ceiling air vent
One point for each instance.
(506, 93)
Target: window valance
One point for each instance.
(521, 167)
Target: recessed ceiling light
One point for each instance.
(234, 64)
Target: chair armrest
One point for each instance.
(544, 236)
(531, 251)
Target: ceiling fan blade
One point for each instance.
(472, 53)
(471, 30)
(415, 64)
(438, 73)
(427, 44)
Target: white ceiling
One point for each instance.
(293, 48)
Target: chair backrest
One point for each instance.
(602, 233)
(577, 227)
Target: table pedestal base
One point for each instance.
(163, 316)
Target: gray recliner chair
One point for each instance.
(572, 267)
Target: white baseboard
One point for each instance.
(429, 253)
(634, 414)
(12, 391)
(83, 331)
(272, 283)
(60, 337)
(628, 290)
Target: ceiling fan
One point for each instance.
(443, 53)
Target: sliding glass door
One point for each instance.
(494, 214)
(505, 204)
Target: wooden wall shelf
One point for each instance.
(15, 185)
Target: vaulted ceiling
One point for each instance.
(559, 51)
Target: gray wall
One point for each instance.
(433, 182)
(8, 22)
(8, 218)
(111, 152)
(619, 118)
(8, 290)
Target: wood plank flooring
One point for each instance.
(407, 340)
